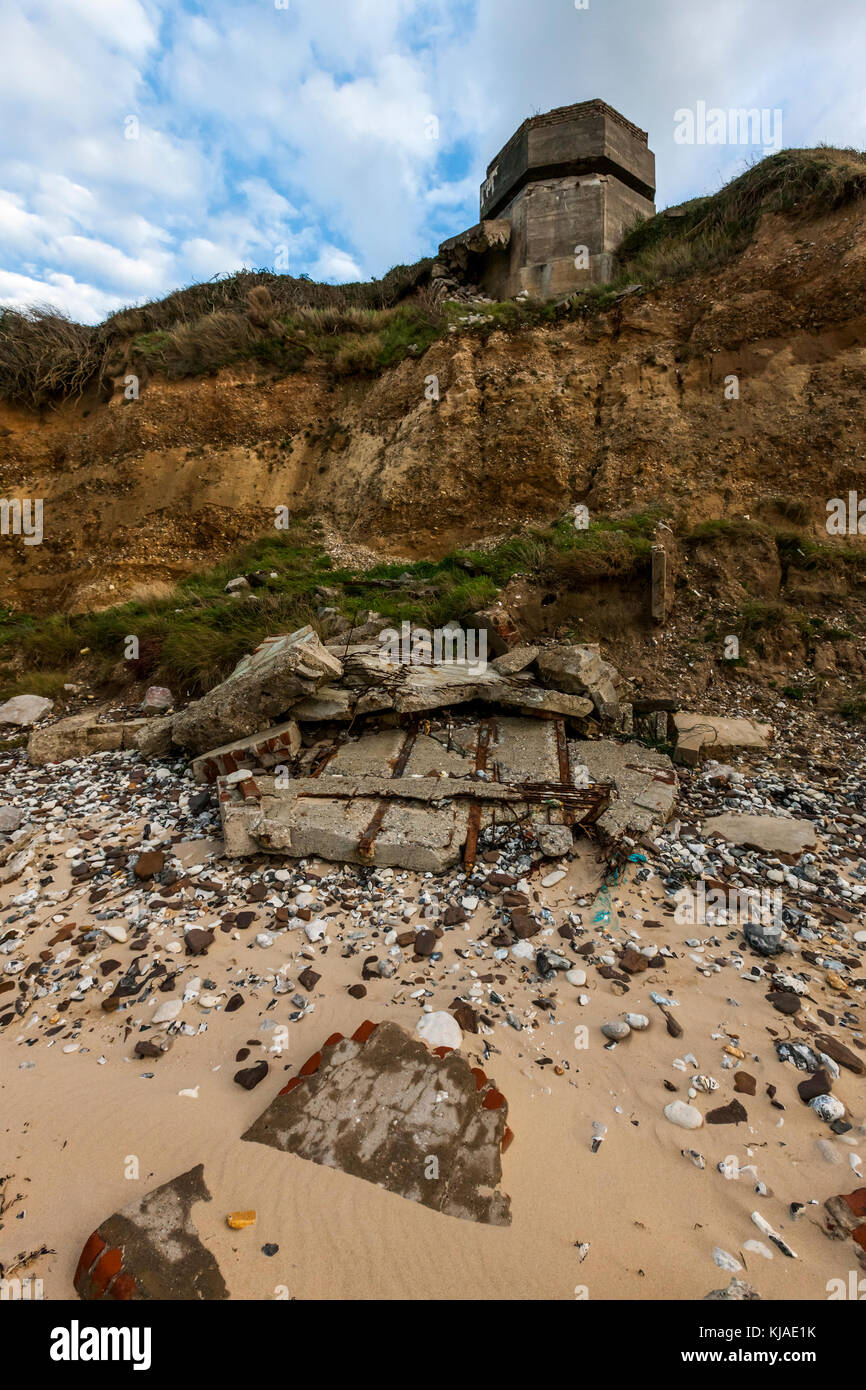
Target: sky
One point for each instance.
(148, 144)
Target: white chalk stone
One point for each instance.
(439, 1030)
(686, 1116)
(167, 1012)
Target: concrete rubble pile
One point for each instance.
(348, 752)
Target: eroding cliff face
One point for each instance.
(621, 411)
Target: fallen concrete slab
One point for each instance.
(280, 744)
(769, 834)
(380, 1107)
(24, 710)
(82, 735)
(645, 782)
(700, 736)
(152, 1250)
(375, 801)
(264, 685)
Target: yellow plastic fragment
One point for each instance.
(240, 1220)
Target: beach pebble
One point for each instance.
(552, 879)
(576, 978)
(827, 1108)
(686, 1116)
(637, 1022)
(439, 1030)
(726, 1261)
(168, 1011)
(615, 1031)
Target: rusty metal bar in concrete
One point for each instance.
(365, 843)
(485, 730)
(564, 764)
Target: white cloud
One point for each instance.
(307, 128)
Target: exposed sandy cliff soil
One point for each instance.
(621, 410)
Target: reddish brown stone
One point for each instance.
(149, 864)
(856, 1201)
(745, 1083)
(494, 1100)
(633, 961)
(362, 1033)
(312, 1064)
(123, 1287)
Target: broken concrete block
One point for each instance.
(152, 1250)
(498, 624)
(581, 671)
(152, 738)
(700, 736)
(846, 1216)
(645, 781)
(511, 663)
(279, 673)
(83, 734)
(24, 710)
(769, 834)
(370, 1105)
(273, 746)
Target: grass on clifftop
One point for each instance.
(283, 323)
(194, 638)
(706, 232)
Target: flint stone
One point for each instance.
(765, 939)
(685, 1116)
(439, 1030)
(279, 673)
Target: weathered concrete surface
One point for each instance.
(425, 838)
(398, 798)
(152, 1250)
(24, 710)
(579, 671)
(280, 744)
(708, 736)
(82, 734)
(770, 834)
(846, 1216)
(264, 685)
(380, 1107)
(645, 782)
(414, 689)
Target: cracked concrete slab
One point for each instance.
(380, 1107)
(700, 736)
(645, 782)
(152, 1250)
(769, 834)
(404, 798)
